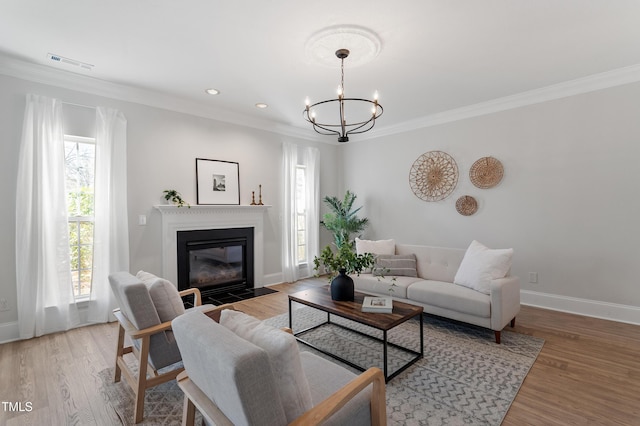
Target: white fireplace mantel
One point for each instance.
(184, 218)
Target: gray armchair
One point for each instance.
(147, 306)
(232, 379)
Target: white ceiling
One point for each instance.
(436, 55)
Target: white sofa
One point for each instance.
(434, 290)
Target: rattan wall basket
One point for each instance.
(486, 172)
(433, 176)
(466, 205)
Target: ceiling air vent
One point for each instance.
(61, 59)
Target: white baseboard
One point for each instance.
(590, 308)
(271, 279)
(9, 332)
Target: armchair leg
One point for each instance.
(497, 333)
(188, 412)
(119, 353)
(513, 322)
(138, 413)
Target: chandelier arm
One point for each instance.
(329, 132)
(305, 112)
(355, 129)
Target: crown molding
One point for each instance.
(38, 73)
(617, 77)
(43, 74)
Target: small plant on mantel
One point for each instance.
(174, 197)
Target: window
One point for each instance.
(301, 214)
(80, 164)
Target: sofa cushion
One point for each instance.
(368, 283)
(375, 247)
(284, 358)
(480, 265)
(395, 265)
(164, 294)
(450, 296)
(434, 263)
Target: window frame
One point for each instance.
(76, 221)
(301, 217)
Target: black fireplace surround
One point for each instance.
(216, 260)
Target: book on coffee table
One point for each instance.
(378, 304)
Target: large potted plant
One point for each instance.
(343, 222)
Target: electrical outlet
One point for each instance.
(142, 220)
(4, 305)
(533, 277)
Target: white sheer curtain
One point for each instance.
(43, 275)
(310, 159)
(111, 226)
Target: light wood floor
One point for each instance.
(587, 373)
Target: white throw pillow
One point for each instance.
(375, 247)
(480, 265)
(284, 358)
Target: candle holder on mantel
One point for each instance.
(260, 196)
(253, 198)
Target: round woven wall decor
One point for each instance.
(466, 205)
(433, 176)
(486, 172)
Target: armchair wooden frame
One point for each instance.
(140, 382)
(195, 398)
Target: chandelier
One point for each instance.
(343, 128)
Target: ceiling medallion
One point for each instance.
(363, 44)
(433, 176)
(320, 116)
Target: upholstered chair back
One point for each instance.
(138, 306)
(233, 373)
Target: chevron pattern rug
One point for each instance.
(464, 377)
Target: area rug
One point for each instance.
(464, 377)
(162, 403)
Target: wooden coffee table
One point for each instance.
(320, 298)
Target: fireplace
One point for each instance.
(177, 220)
(216, 260)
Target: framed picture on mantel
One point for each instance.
(218, 182)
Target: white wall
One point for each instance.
(162, 147)
(569, 202)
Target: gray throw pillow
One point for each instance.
(397, 265)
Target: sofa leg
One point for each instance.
(513, 322)
(497, 337)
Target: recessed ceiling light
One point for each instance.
(213, 91)
(261, 105)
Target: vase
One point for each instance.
(342, 287)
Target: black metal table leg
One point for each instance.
(384, 353)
